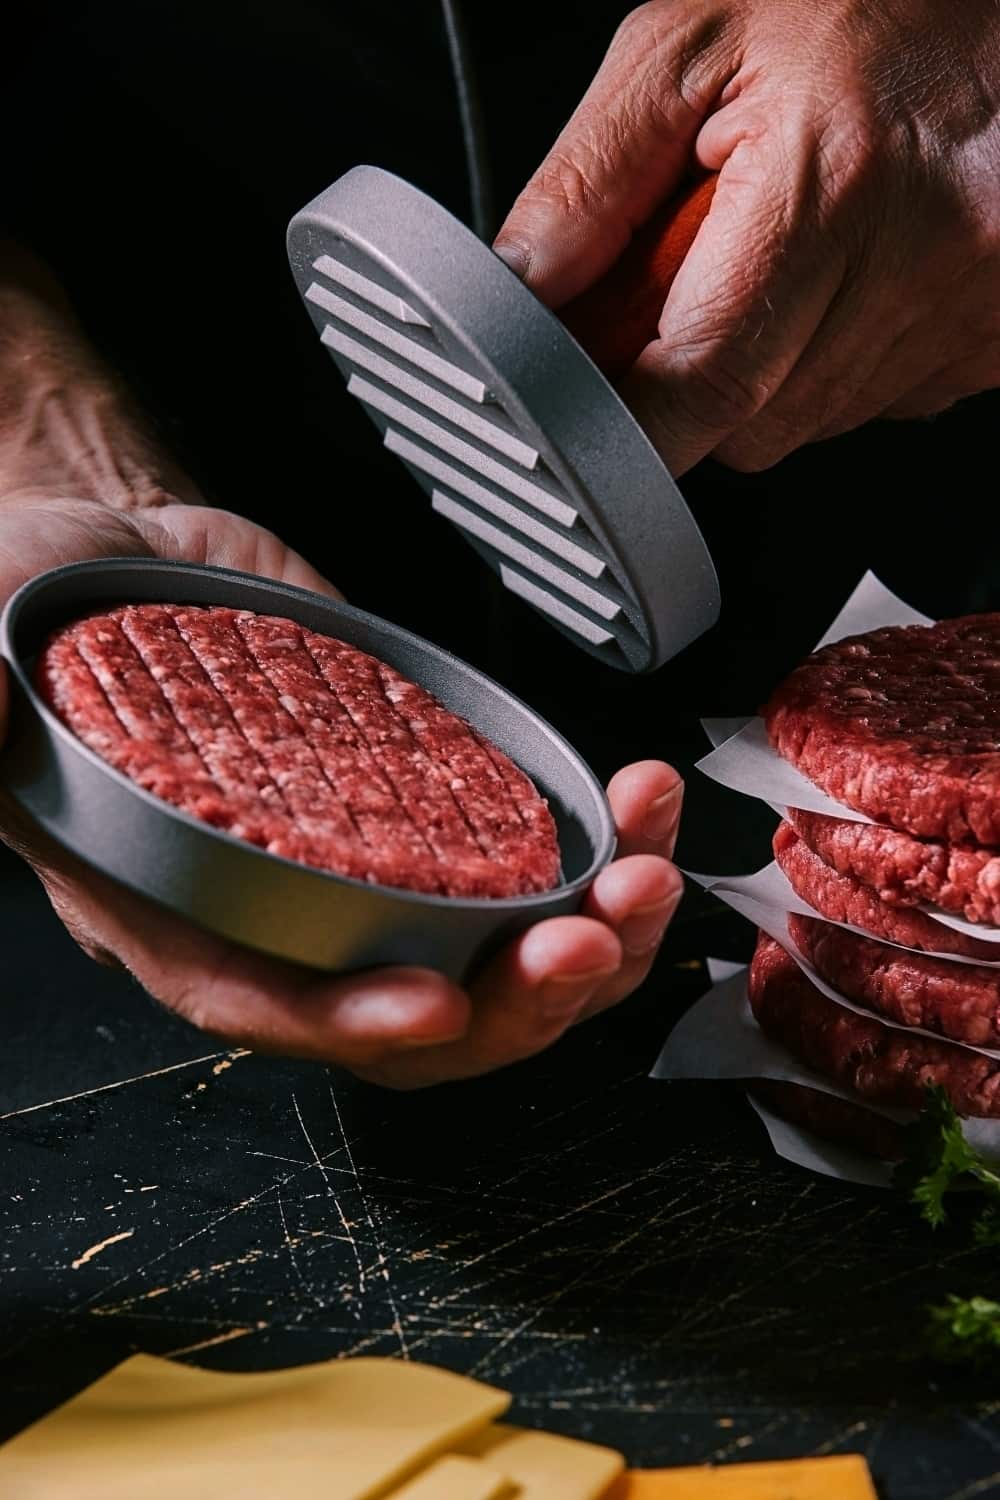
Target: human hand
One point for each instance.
(402, 1027)
(849, 266)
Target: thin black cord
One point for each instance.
(470, 113)
(480, 178)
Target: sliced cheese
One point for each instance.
(547, 1467)
(458, 1478)
(845, 1477)
(343, 1430)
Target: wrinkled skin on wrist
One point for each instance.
(849, 267)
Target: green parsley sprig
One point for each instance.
(965, 1328)
(939, 1160)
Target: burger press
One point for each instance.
(234, 888)
(497, 411)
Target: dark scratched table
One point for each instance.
(626, 1257)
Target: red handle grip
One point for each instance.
(617, 317)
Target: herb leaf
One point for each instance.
(938, 1159)
(966, 1328)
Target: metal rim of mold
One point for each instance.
(233, 888)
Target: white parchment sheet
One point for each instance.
(771, 888)
(745, 762)
(772, 917)
(719, 1039)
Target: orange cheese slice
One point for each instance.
(845, 1477)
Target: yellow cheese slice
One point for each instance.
(458, 1478)
(343, 1430)
(546, 1467)
(845, 1477)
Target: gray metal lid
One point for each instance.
(505, 421)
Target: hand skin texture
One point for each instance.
(849, 266)
(82, 477)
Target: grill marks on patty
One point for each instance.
(303, 745)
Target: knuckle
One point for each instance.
(670, 53)
(769, 439)
(568, 182)
(746, 456)
(848, 154)
(715, 393)
(644, 25)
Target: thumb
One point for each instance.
(625, 148)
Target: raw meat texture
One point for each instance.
(906, 871)
(844, 898)
(877, 1062)
(832, 1119)
(961, 1001)
(302, 745)
(902, 724)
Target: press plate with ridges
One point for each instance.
(502, 418)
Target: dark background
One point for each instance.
(627, 1257)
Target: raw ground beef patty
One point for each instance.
(903, 870)
(302, 745)
(902, 724)
(843, 898)
(959, 1000)
(834, 1119)
(878, 1063)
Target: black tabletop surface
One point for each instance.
(626, 1257)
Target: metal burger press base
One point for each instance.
(524, 446)
(232, 887)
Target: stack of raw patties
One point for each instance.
(903, 726)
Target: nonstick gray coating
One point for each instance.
(234, 888)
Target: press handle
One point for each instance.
(617, 317)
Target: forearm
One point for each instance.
(68, 426)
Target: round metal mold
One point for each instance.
(504, 420)
(236, 889)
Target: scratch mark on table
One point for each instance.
(112, 1239)
(220, 1338)
(854, 1430)
(121, 1083)
(990, 1484)
(227, 1062)
(237, 1208)
(547, 1303)
(383, 1263)
(294, 1161)
(329, 1187)
(463, 1267)
(744, 1441)
(290, 1246)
